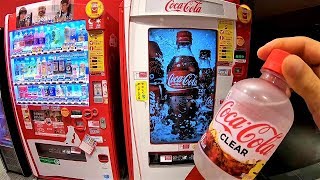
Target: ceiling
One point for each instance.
(265, 8)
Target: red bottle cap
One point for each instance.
(184, 37)
(275, 60)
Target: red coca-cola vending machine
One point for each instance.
(179, 60)
(61, 58)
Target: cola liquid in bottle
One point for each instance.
(205, 77)
(156, 74)
(182, 86)
(206, 88)
(206, 72)
(249, 126)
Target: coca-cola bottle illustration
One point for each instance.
(182, 87)
(156, 85)
(249, 126)
(206, 72)
(206, 88)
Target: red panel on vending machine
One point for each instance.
(62, 57)
(177, 66)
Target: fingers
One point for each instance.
(301, 78)
(316, 70)
(306, 48)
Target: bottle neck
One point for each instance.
(184, 49)
(276, 79)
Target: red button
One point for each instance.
(103, 158)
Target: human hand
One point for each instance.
(301, 69)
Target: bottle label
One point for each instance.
(238, 145)
(182, 79)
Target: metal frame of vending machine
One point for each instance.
(165, 114)
(12, 152)
(62, 56)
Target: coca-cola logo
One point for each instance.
(262, 137)
(209, 102)
(189, 80)
(192, 6)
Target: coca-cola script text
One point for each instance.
(261, 137)
(192, 6)
(182, 81)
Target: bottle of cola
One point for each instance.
(206, 87)
(156, 74)
(182, 86)
(206, 72)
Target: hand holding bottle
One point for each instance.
(301, 70)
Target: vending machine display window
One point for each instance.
(182, 74)
(50, 64)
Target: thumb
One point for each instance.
(303, 81)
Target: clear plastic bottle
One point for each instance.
(16, 42)
(35, 40)
(42, 38)
(248, 128)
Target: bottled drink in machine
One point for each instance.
(156, 75)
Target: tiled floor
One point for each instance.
(11, 176)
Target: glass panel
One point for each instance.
(182, 65)
(50, 64)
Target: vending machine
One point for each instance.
(179, 59)
(62, 57)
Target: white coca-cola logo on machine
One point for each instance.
(192, 6)
(189, 80)
(246, 138)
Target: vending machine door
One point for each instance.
(178, 66)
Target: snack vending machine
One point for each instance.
(179, 59)
(61, 59)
